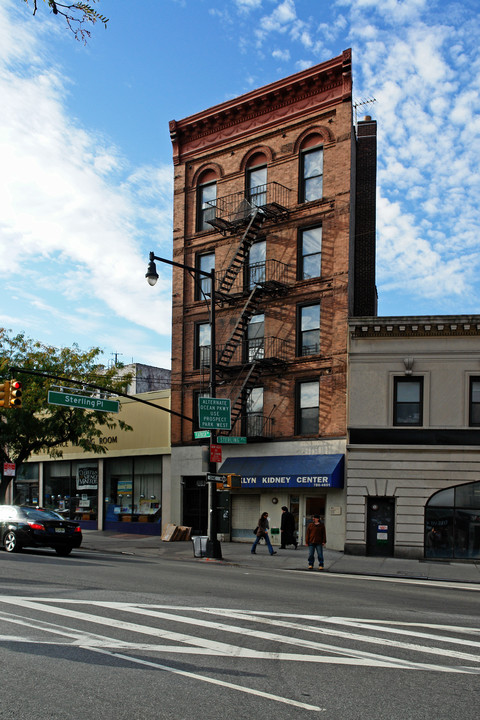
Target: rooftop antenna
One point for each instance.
(115, 355)
(362, 103)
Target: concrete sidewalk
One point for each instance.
(239, 554)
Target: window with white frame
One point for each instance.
(310, 253)
(311, 174)
(206, 210)
(307, 407)
(202, 345)
(309, 329)
(205, 263)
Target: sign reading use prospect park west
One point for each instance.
(214, 413)
(82, 401)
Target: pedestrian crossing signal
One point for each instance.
(230, 481)
(234, 481)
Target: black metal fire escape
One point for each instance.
(237, 216)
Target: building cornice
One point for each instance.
(290, 98)
(415, 326)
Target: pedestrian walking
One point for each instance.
(262, 532)
(287, 529)
(315, 538)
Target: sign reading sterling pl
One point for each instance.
(82, 401)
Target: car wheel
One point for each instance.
(63, 551)
(10, 542)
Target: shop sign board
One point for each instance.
(87, 477)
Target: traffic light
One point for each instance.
(230, 481)
(15, 399)
(5, 394)
(234, 481)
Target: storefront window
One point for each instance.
(25, 486)
(71, 488)
(452, 523)
(133, 489)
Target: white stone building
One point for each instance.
(413, 454)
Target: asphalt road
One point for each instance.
(114, 636)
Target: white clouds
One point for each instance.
(66, 195)
(247, 5)
(283, 55)
(428, 112)
(278, 21)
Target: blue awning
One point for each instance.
(293, 471)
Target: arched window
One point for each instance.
(206, 200)
(452, 522)
(256, 179)
(311, 169)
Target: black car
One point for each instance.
(22, 526)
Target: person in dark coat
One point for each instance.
(287, 529)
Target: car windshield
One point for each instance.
(34, 514)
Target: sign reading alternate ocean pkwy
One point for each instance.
(82, 401)
(214, 413)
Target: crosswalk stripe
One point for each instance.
(214, 681)
(202, 645)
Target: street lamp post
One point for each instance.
(214, 549)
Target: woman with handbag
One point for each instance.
(262, 532)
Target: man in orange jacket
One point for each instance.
(315, 538)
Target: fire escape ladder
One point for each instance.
(238, 333)
(248, 382)
(248, 238)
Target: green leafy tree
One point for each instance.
(39, 427)
(77, 15)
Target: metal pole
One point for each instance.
(213, 549)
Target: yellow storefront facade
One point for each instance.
(118, 490)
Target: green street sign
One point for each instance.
(231, 440)
(82, 401)
(199, 434)
(214, 413)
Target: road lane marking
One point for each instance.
(294, 640)
(474, 585)
(363, 638)
(243, 653)
(361, 657)
(213, 681)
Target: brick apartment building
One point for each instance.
(275, 190)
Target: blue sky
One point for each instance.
(85, 152)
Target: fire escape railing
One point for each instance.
(233, 210)
(268, 350)
(253, 425)
(268, 274)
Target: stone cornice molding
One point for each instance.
(319, 87)
(420, 326)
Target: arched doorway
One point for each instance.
(452, 523)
